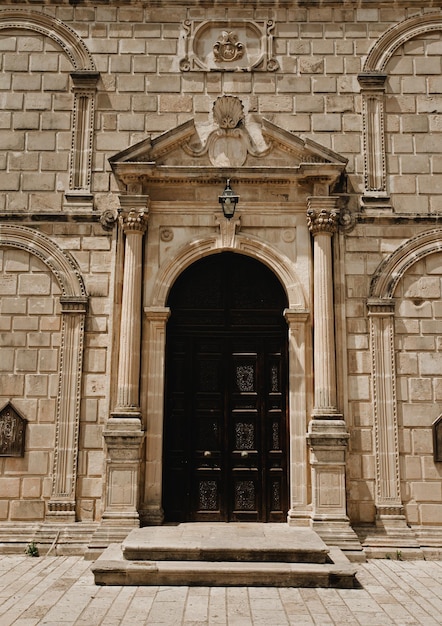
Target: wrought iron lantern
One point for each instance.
(228, 200)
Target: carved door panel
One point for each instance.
(225, 453)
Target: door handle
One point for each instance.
(207, 453)
(244, 454)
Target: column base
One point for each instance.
(60, 511)
(299, 517)
(391, 537)
(152, 516)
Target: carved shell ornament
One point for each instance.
(228, 48)
(228, 112)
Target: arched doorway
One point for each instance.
(225, 420)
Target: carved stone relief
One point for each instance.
(228, 46)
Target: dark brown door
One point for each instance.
(225, 452)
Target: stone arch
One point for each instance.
(391, 270)
(381, 311)
(59, 262)
(373, 85)
(394, 37)
(61, 505)
(248, 246)
(297, 317)
(55, 29)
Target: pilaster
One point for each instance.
(300, 510)
(373, 104)
(84, 89)
(391, 523)
(151, 510)
(61, 506)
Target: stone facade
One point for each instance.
(120, 124)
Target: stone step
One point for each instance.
(113, 569)
(225, 542)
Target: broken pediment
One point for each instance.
(233, 143)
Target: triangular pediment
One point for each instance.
(230, 142)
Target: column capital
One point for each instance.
(134, 221)
(322, 215)
(382, 307)
(74, 304)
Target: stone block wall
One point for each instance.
(419, 387)
(142, 91)
(30, 339)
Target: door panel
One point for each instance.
(225, 432)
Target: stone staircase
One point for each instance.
(234, 554)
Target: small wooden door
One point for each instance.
(225, 450)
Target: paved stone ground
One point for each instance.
(60, 591)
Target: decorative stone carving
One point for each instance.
(240, 45)
(373, 96)
(228, 112)
(228, 229)
(228, 48)
(230, 145)
(323, 219)
(84, 88)
(12, 432)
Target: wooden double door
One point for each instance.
(225, 430)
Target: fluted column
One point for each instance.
(322, 217)
(327, 433)
(61, 506)
(124, 433)
(134, 224)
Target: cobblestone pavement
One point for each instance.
(61, 591)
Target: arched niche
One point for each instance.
(372, 80)
(381, 311)
(84, 78)
(61, 505)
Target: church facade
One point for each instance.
(221, 270)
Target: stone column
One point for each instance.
(124, 432)
(390, 517)
(327, 433)
(322, 219)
